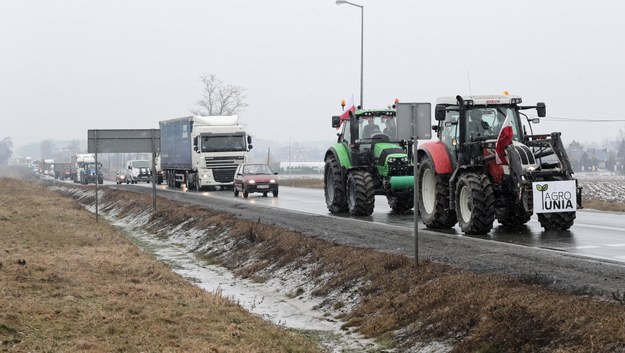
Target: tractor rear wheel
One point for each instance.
(360, 193)
(334, 186)
(475, 203)
(434, 198)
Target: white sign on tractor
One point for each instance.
(554, 196)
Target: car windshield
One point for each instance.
(223, 143)
(257, 169)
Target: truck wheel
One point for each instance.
(360, 193)
(556, 221)
(400, 203)
(434, 198)
(475, 203)
(334, 186)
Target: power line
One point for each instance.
(584, 120)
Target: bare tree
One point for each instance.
(219, 98)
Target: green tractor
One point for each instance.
(372, 156)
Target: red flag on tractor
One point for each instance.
(503, 140)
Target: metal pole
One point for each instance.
(95, 134)
(154, 176)
(362, 53)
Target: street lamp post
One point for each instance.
(362, 41)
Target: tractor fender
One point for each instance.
(437, 152)
(341, 154)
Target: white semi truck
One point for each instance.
(203, 151)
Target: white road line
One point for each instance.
(582, 247)
(600, 227)
(615, 245)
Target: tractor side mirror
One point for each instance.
(435, 128)
(541, 109)
(439, 112)
(336, 121)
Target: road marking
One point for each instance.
(600, 227)
(615, 245)
(581, 247)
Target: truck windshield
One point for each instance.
(223, 143)
(141, 164)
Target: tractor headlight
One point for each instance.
(398, 160)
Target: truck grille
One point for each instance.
(224, 167)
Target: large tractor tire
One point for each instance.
(556, 221)
(360, 193)
(434, 198)
(475, 204)
(401, 203)
(334, 186)
(511, 213)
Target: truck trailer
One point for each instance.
(203, 151)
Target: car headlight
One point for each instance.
(251, 181)
(272, 181)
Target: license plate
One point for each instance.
(263, 186)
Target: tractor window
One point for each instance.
(486, 122)
(369, 127)
(450, 133)
(346, 132)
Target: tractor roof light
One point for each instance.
(468, 102)
(516, 100)
(343, 102)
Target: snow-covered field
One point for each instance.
(603, 186)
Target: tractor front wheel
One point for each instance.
(556, 221)
(434, 198)
(334, 186)
(401, 203)
(361, 196)
(475, 203)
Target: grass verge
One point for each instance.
(69, 284)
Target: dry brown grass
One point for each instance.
(596, 204)
(480, 313)
(69, 284)
(303, 183)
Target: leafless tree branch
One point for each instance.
(218, 98)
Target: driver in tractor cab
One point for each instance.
(391, 128)
(477, 126)
(370, 129)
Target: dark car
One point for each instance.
(255, 177)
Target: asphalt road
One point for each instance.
(586, 259)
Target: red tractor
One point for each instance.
(476, 173)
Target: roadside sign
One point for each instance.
(554, 196)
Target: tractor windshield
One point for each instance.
(486, 122)
(371, 126)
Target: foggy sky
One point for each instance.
(70, 66)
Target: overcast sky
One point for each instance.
(70, 66)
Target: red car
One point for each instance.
(255, 177)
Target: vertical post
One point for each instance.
(362, 53)
(95, 135)
(416, 188)
(154, 176)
